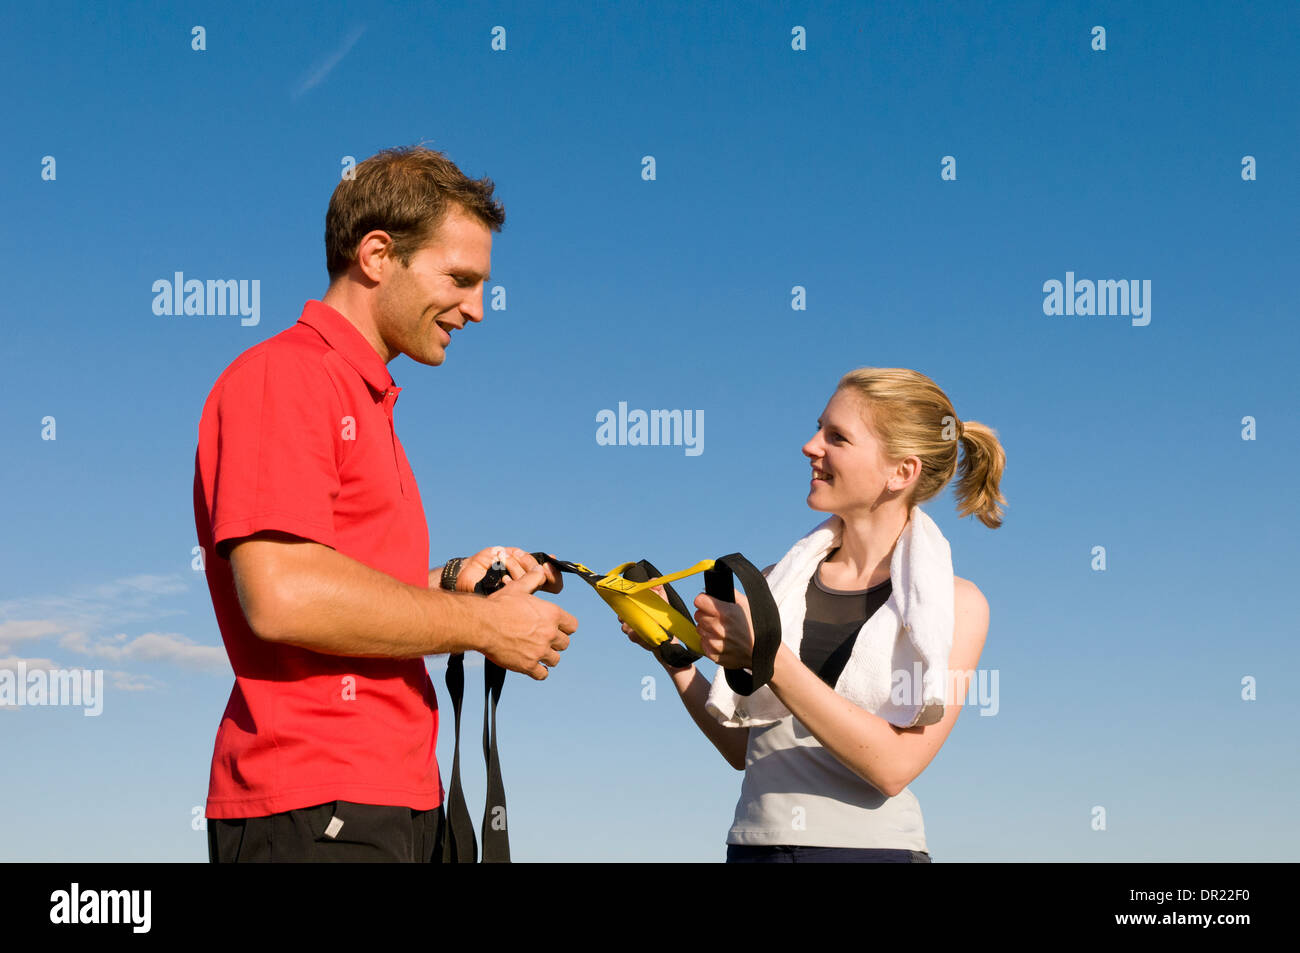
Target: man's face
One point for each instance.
(419, 306)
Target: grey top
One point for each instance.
(796, 792)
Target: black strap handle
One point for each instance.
(459, 845)
(496, 837)
(719, 584)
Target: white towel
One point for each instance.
(911, 634)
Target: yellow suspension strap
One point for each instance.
(628, 589)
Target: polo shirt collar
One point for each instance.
(340, 334)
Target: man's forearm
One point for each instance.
(313, 597)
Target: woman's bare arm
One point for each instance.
(693, 688)
(885, 756)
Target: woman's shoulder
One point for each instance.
(966, 591)
(971, 612)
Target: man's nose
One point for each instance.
(472, 307)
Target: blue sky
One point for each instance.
(774, 168)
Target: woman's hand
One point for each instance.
(726, 630)
(631, 632)
(633, 637)
(653, 650)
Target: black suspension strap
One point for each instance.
(459, 844)
(762, 610)
(496, 838)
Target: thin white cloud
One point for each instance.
(13, 661)
(121, 681)
(125, 600)
(80, 642)
(314, 77)
(13, 631)
(73, 621)
(151, 647)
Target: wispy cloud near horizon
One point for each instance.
(151, 647)
(315, 76)
(79, 622)
(89, 608)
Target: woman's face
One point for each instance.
(849, 472)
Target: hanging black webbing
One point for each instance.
(459, 844)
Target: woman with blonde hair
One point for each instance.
(867, 601)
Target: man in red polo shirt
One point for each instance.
(317, 548)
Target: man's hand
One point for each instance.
(530, 633)
(518, 561)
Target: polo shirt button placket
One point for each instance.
(390, 398)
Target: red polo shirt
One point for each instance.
(297, 435)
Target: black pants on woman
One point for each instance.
(784, 854)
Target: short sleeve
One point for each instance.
(276, 464)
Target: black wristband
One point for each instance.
(451, 571)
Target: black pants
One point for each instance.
(738, 854)
(337, 832)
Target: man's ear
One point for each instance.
(374, 254)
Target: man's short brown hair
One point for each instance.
(407, 193)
